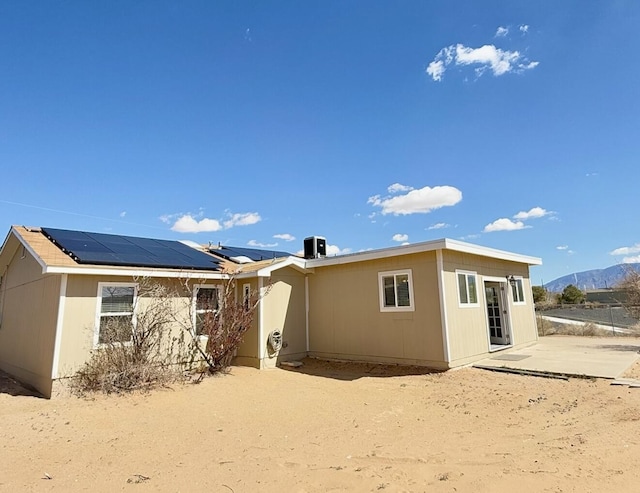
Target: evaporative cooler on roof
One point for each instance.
(315, 247)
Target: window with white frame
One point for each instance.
(517, 289)
(115, 313)
(467, 288)
(207, 300)
(396, 291)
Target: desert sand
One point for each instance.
(329, 427)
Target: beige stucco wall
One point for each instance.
(346, 322)
(28, 324)
(284, 309)
(467, 325)
(79, 322)
(247, 354)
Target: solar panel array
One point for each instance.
(106, 249)
(252, 253)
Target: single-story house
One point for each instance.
(440, 304)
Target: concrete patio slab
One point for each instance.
(602, 357)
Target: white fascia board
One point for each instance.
(29, 249)
(427, 246)
(464, 247)
(377, 254)
(111, 271)
(295, 262)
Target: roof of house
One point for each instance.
(425, 246)
(76, 252)
(48, 248)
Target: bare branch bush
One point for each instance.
(139, 352)
(224, 322)
(174, 329)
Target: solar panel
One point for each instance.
(107, 249)
(252, 253)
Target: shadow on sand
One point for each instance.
(345, 370)
(11, 386)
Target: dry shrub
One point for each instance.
(118, 369)
(226, 324)
(143, 353)
(136, 356)
(587, 329)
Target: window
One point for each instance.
(396, 291)
(518, 291)
(207, 304)
(115, 313)
(246, 296)
(467, 288)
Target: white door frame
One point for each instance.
(505, 315)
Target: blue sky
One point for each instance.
(512, 125)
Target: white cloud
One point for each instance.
(534, 213)
(244, 219)
(499, 61)
(195, 223)
(631, 260)
(397, 187)
(285, 237)
(436, 69)
(632, 250)
(565, 248)
(123, 213)
(400, 237)
(420, 201)
(333, 250)
(187, 224)
(504, 224)
(527, 66)
(439, 226)
(524, 28)
(254, 243)
(501, 32)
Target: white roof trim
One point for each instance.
(28, 247)
(93, 270)
(295, 262)
(427, 246)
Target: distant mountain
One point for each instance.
(592, 279)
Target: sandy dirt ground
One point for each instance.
(329, 427)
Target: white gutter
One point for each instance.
(306, 309)
(427, 246)
(261, 291)
(114, 271)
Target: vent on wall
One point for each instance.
(315, 247)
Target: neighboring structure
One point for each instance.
(439, 304)
(607, 296)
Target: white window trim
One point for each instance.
(194, 303)
(96, 332)
(467, 273)
(513, 298)
(381, 276)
